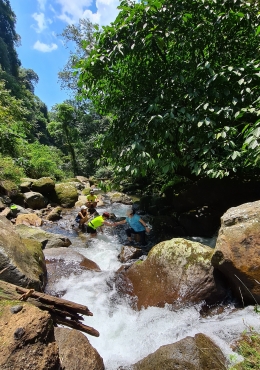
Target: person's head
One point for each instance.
(91, 192)
(83, 208)
(105, 215)
(130, 213)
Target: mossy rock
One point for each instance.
(44, 185)
(67, 194)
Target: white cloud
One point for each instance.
(45, 48)
(42, 4)
(107, 10)
(72, 11)
(42, 22)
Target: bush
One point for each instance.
(9, 170)
(104, 172)
(42, 160)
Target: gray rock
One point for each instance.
(35, 200)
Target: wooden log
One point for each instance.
(77, 325)
(54, 310)
(48, 299)
(62, 311)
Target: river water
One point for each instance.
(127, 336)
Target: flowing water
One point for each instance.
(127, 336)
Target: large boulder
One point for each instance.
(76, 352)
(67, 194)
(47, 240)
(22, 260)
(128, 253)
(198, 353)
(177, 271)
(117, 197)
(63, 262)
(34, 200)
(237, 251)
(28, 219)
(27, 338)
(44, 185)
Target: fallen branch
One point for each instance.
(49, 299)
(62, 311)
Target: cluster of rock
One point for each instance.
(177, 272)
(195, 207)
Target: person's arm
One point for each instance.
(120, 222)
(144, 224)
(108, 223)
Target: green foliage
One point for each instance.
(9, 170)
(13, 126)
(41, 160)
(104, 172)
(249, 348)
(181, 81)
(9, 61)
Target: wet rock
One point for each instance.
(68, 256)
(189, 353)
(237, 251)
(55, 214)
(22, 260)
(128, 253)
(76, 352)
(177, 271)
(47, 240)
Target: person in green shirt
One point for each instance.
(92, 199)
(97, 222)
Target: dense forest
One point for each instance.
(169, 91)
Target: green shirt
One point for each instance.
(91, 198)
(96, 222)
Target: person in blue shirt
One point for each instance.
(137, 226)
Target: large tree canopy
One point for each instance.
(181, 80)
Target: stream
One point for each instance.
(127, 336)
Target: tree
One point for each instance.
(181, 81)
(13, 125)
(74, 35)
(63, 130)
(9, 61)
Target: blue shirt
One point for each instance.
(135, 223)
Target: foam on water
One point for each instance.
(127, 336)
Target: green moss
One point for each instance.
(138, 262)
(7, 302)
(184, 250)
(249, 348)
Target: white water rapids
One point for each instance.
(127, 336)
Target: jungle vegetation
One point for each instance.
(168, 90)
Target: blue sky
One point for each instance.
(39, 23)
